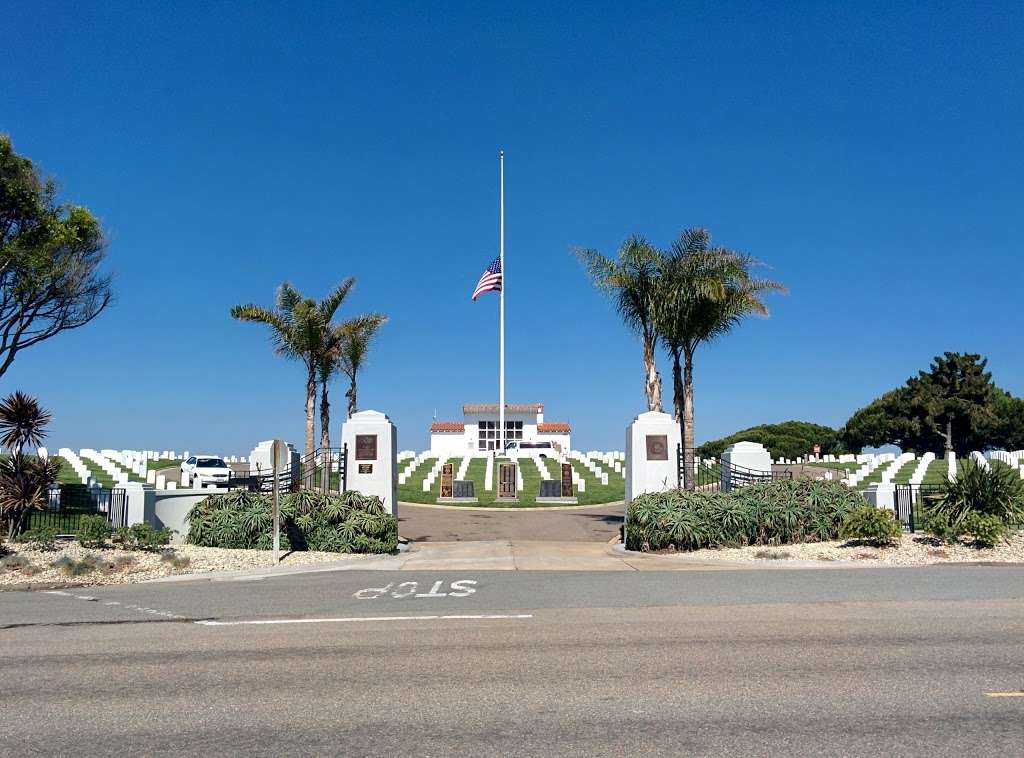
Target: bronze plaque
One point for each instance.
(365, 468)
(366, 447)
(507, 480)
(446, 480)
(566, 480)
(657, 447)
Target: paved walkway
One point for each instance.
(439, 523)
(491, 555)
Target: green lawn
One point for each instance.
(67, 474)
(412, 490)
(163, 463)
(105, 480)
(848, 466)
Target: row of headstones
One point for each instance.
(510, 483)
(489, 470)
(845, 458)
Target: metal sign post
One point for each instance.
(275, 453)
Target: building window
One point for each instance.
(487, 433)
(513, 430)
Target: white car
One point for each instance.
(202, 470)
(541, 449)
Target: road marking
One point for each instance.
(460, 588)
(1019, 693)
(129, 606)
(470, 616)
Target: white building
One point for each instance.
(478, 431)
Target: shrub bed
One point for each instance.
(773, 513)
(348, 523)
(984, 503)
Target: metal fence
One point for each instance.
(324, 470)
(909, 500)
(720, 476)
(68, 504)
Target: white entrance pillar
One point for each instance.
(652, 441)
(372, 462)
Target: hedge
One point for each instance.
(347, 523)
(772, 513)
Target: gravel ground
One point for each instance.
(143, 565)
(914, 550)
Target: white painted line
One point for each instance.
(475, 616)
(1005, 694)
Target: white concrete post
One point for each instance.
(135, 494)
(372, 464)
(652, 441)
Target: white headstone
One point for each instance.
(651, 464)
(372, 465)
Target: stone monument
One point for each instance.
(372, 462)
(743, 463)
(652, 442)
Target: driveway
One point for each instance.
(424, 523)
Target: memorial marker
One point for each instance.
(566, 488)
(507, 481)
(446, 480)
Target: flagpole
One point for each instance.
(501, 317)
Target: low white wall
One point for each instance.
(167, 508)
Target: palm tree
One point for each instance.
(353, 346)
(299, 326)
(22, 421)
(704, 292)
(25, 480)
(633, 280)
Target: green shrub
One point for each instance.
(772, 513)
(986, 529)
(239, 519)
(142, 537)
(942, 527)
(875, 526)
(93, 531)
(40, 537)
(995, 491)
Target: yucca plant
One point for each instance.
(995, 491)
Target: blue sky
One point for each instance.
(872, 155)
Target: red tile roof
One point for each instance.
(553, 427)
(493, 407)
(448, 426)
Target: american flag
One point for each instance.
(490, 281)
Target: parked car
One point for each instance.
(541, 449)
(201, 470)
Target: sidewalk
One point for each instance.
(485, 555)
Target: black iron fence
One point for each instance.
(67, 504)
(909, 502)
(324, 470)
(719, 476)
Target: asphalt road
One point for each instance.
(837, 662)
